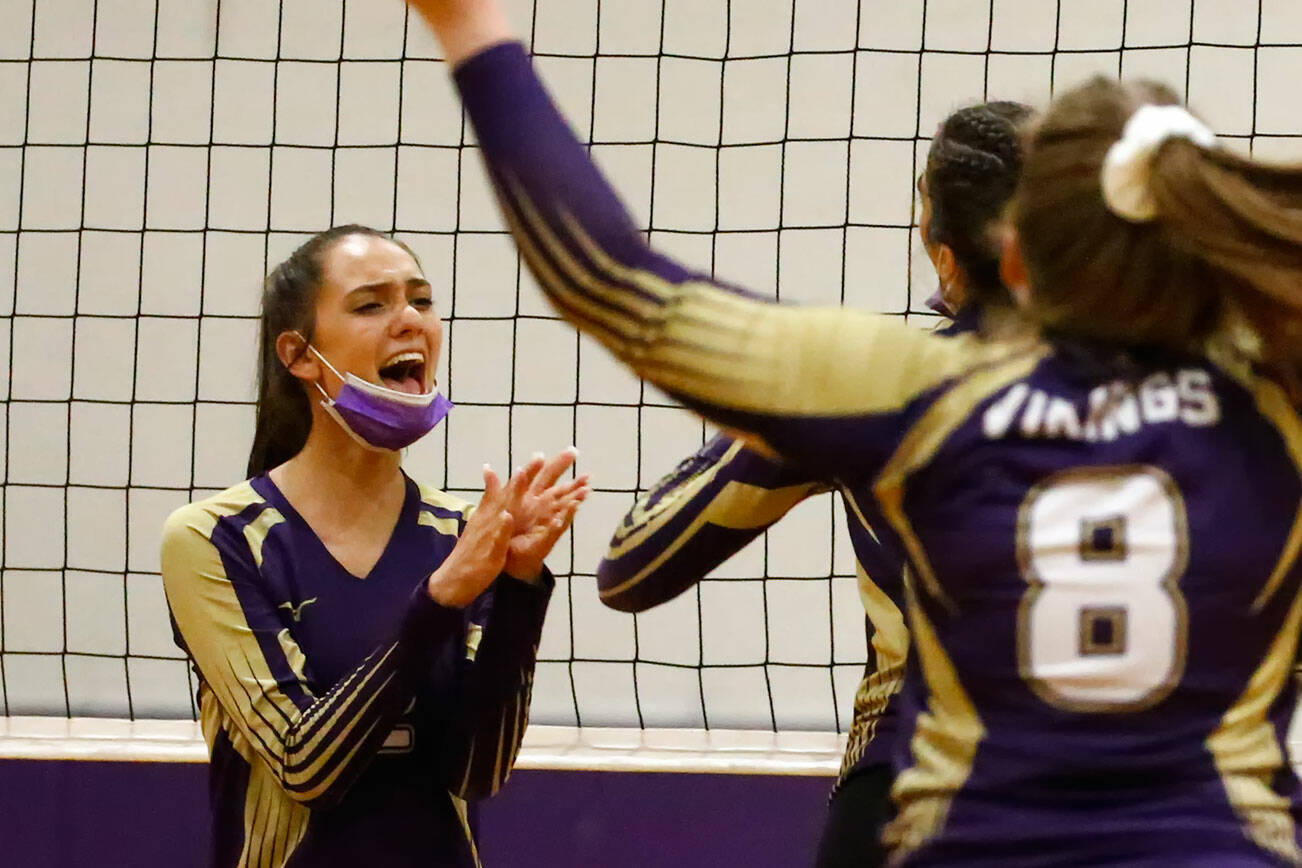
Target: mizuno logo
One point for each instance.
(297, 611)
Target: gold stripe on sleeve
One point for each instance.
(459, 805)
(925, 439)
(255, 532)
(331, 732)
(944, 745)
(890, 643)
(274, 824)
(730, 351)
(434, 497)
(738, 506)
(647, 520)
(1274, 405)
(470, 764)
(501, 751)
(208, 598)
(445, 526)
(1248, 754)
(437, 497)
(614, 329)
(294, 657)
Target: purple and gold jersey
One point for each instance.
(1102, 580)
(712, 505)
(349, 720)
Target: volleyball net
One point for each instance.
(157, 157)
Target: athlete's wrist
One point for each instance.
(465, 27)
(454, 586)
(528, 573)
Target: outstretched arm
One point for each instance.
(695, 518)
(813, 383)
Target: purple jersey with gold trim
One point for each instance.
(349, 720)
(706, 510)
(1102, 581)
(712, 505)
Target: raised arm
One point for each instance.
(695, 518)
(812, 382)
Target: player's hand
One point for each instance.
(480, 553)
(464, 27)
(543, 511)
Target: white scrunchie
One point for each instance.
(1126, 168)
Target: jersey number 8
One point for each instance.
(1102, 626)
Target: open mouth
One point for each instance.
(405, 373)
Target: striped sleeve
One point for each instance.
(816, 384)
(491, 709)
(315, 746)
(695, 518)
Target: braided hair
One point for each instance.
(972, 171)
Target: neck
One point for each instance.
(333, 468)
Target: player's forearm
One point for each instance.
(492, 704)
(314, 742)
(810, 382)
(321, 752)
(709, 508)
(464, 27)
(589, 257)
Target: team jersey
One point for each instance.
(711, 506)
(1102, 583)
(348, 719)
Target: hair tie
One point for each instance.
(1129, 162)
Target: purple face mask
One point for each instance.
(379, 418)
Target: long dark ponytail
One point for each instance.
(289, 294)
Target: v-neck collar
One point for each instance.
(405, 515)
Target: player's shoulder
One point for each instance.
(446, 513)
(203, 514)
(955, 351)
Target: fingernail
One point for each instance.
(537, 456)
(573, 450)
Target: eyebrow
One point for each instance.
(412, 283)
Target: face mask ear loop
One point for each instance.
(325, 362)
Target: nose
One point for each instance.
(408, 319)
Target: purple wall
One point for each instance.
(69, 814)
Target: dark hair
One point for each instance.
(1225, 246)
(972, 171)
(289, 294)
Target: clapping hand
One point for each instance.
(542, 511)
(512, 529)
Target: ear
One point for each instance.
(291, 349)
(953, 280)
(1012, 269)
(946, 264)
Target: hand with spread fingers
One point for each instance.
(542, 510)
(481, 550)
